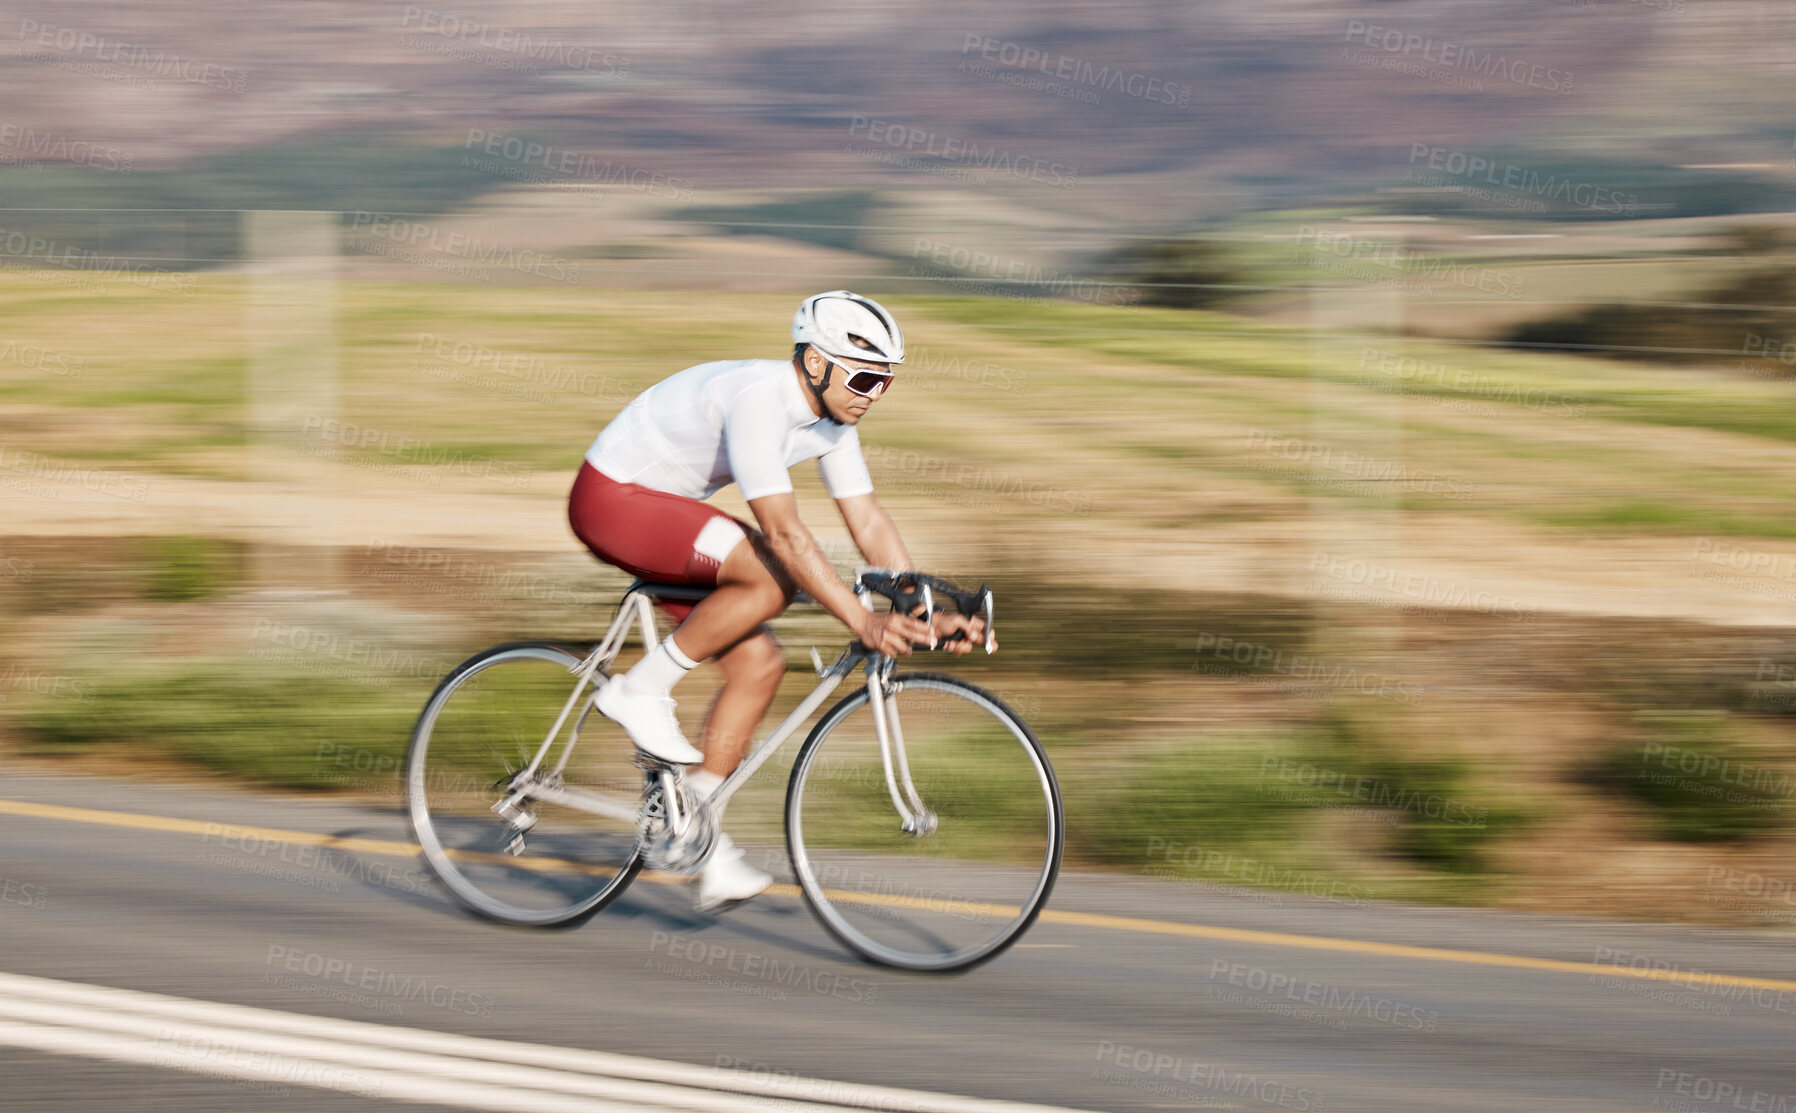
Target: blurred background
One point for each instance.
(1375, 419)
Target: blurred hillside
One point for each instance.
(1158, 115)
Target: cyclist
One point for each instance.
(637, 505)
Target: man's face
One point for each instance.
(846, 404)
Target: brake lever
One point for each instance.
(991, 629)
(929, 612)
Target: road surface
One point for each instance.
(271, 955)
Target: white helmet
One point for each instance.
(832, 322)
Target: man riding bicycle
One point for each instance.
(637, 505)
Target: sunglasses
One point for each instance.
(867, 384)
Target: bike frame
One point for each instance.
(637, 610)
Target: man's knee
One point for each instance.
(763, 661)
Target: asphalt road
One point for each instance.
(1131, 994)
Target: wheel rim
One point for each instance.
(952, 898)
(480, 728)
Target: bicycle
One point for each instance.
(924, 841)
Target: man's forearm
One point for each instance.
(879, 543)
(798, 552)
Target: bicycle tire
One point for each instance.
(830, 906)
(455, 867)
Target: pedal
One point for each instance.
(514, 846)
(653, 764)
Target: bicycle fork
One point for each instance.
(916, 819)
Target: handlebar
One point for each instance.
(909, 591)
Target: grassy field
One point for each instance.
(1218, 542)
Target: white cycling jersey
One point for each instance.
(742, 420)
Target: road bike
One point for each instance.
(923, 822)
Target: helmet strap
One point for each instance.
(817, 389)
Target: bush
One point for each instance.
(1680, 335)
(1261, 797)
(1180, 273)
(1696, 782)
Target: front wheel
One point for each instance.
(971, 870)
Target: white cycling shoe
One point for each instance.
(727, 880)
(648, 720)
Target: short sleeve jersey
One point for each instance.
(743, 421)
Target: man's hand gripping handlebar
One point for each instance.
(917, 619)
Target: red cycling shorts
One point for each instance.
(652, 534)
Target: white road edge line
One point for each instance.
(411, 1064)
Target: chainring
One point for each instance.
(663, 849)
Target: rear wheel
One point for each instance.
(538, 863)
(979, 861)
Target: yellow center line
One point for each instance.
(1049, 916)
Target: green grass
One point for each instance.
(254, 722)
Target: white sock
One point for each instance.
(657, 673)
(704, 782)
